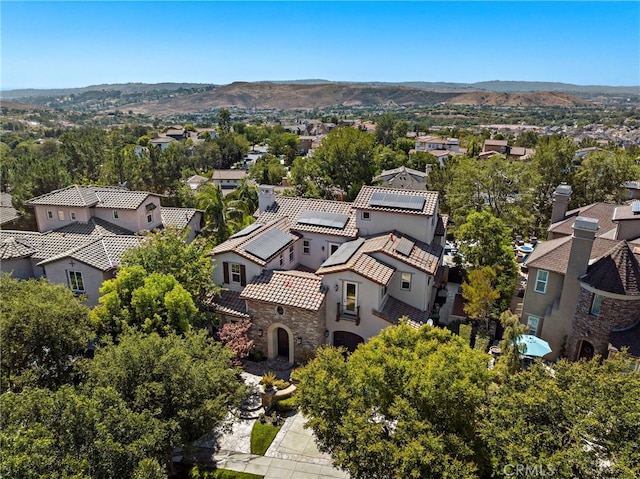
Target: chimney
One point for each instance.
(584, 232)
(561, 197)
(266, 197)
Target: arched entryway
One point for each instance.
(280, 342)
(586, 350)
(347, 340)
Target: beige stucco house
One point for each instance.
(82, 232)
(310, 272)
(583, 289)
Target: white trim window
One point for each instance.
(306, 247)
(75, 281)
(149, 218)
(291, 254)
(60, 215)
(366, 215)
(72, 215)
(542, 278)
(236, 275)
(405, 281)
(115, 214)
(49, 214)
(596, 304)
(350, 297)
(533, 322)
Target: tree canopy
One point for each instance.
(387, 410)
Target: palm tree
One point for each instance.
(210, 199)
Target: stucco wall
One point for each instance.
(92, 278)
(252, 270)
(18, 268)
(46, 224)
(418, 227)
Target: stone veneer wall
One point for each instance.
(614, 314)
(309, 325)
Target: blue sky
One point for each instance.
(75, 44)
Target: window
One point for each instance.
(280, 310)
(384, 291)
(333, 247)
(281, 259)
(75, 281)
(306, 248)
(541, 281)
(405, 282)
(291, 255)
(61, 215)
(149, 218)
(235, 273)
(350, 298)
(49, 215)
(115, 214)
(596, 303)
(72, 215)
(532, 324)
(366, 215)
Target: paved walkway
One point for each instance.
(292, 454)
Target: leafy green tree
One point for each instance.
(509, 362)
(580, 420)
(286, 145)
(310, 180)
(528, 139)
(268, 171)
(150, 302)
(255, 134)
(168, 252)
(388, 159)
(43, 327)
(187, 382)
(385, 129)
(486, 241)
(224, 121)
(420, 159)
(602, 175)
(67, 433)
(210, 199)
(386, 411)
(232, 147)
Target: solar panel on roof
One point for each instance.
(343, 253)
(249, 229)
(395, 200)
(322, 218)
(404, 246)
(265, 246)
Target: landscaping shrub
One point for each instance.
(286, 405)
(465, 332)
(482, 343)
(268, 380)
(281, 384)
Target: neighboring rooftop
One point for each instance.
(372, 198)
(603, 212)
(92, 196)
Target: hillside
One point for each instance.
(309, 96)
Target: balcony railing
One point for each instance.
(347, 315)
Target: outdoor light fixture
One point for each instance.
(299, 339)
(326, 333)
(260, 332)
(335, 288)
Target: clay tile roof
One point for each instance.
(95, 226)
(553, 255)
(616, 272)
(603, 212)
(178, 217)
(394, 309)
(287, 288)
(291, 207)
(92, 196)
(102, 253)
(229, 304)
(363, 198)
(423, 256)
(13, 248)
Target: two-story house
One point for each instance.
(310, 272)
(82, 232)
(583, 290)
(403, 178)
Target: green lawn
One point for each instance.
(204, 473)
(262, 436)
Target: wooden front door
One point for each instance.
(283, 343)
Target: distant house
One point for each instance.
(499, 146)
(176, 132)
(196, 181)
(633, 189)
(8, 214)
(493, 147)
(310, 272)
(228, 179)
(82, 232)
(440, 148)
(403, 178)
(161, 142)
(583, 291)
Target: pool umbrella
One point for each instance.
(533, 346)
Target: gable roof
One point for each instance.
(292, 207)
(603, 212)
(177, 217)
(363, 200)
(402, 169)
(288, 288)
(553, 255)
(394, 309)
(617, 272)
(102, 253)
(93, 196)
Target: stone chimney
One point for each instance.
(266, 197)
(561, 197)
(584, 232)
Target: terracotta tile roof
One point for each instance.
(366, 262)
(229, 304)
(178, 217)
(603, 212)
(616, 272)
(92, 196)
(629, 338)
(287, 288)
(13, 248)
(229, 175)
(394, 309)
(362, 201)
(553, 255)
(291, 207)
